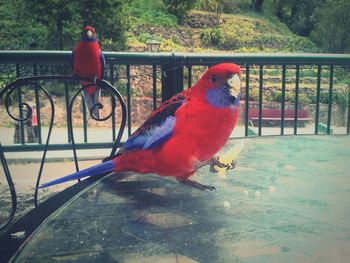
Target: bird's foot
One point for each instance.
(215, 162)
(197, 185)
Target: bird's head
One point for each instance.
(88, 34)
(221, 84)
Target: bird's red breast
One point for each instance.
(87, 62)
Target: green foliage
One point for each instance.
(257, 5)
(145, 37)
(223, 6)
(14, 30)
(151, 12)
(179, 8)
(110, 18)
(332, 24)
(215, 6)
(339, 97)
(256, 35)
(327, 22)
(168, 45)
(254, 94)
(296, 14)
(56, 24)
(53, 15)
(211, 37)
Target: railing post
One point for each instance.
(172, 77)
(348, 124)
(261, 80)
(112, 79)
(318, 92)
(296, 98)
(330, 100)
(283, 99)
(246, 131)
(128, 98)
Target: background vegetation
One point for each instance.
(233, 25)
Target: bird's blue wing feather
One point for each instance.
(157, 129)
(153, 136)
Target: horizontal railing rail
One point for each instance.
(132, 58)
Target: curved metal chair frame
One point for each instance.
(36, 83)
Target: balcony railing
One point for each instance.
(170, 73)
(284, 85)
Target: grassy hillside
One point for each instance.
(241, 30)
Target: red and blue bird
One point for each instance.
(183, 134)
(88, 61)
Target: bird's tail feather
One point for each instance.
(91, 99)
(91, 171)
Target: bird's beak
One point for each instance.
(89, 33)
(234, 82)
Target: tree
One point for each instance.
(56, 24)
(14, 30)
(215, 6)
(111, 19)
(53, 14)
(257, 4)
(332, 24)
(297, 14)
(179, 8)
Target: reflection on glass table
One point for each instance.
(288, 200)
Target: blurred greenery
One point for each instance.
(56, 24)
(339, 97)
(331, 25)
(326, 22)
(179, 8)
(151, 12)
(238, 25)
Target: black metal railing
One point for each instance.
(168, 75)
(322, 79)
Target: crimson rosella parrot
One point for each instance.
(88, 61)
(183, 134)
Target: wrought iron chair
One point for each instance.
(37, 84)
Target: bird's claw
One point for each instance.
(232, 165)
(215, 162)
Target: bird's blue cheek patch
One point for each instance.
(220, 98)
(87, 39)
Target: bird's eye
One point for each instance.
(214, 78)
(230, 76)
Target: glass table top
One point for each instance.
(288, 200)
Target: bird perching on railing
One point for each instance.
(183, 134)
(88, 61)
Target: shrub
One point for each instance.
(167, 45)
(211, 37)
(179, 8)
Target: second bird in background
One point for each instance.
(88, 61)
